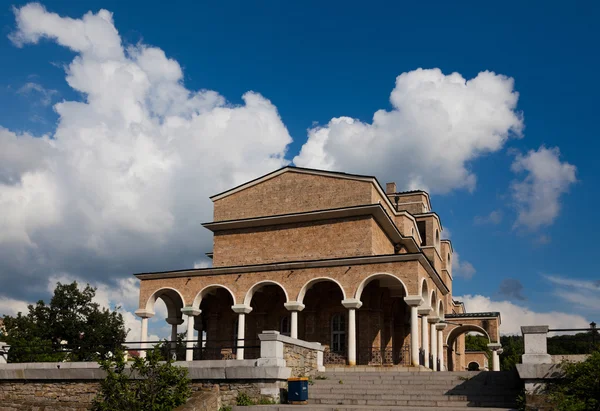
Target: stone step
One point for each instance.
(416, 403)
(321, 407)
(410, 396)
(351, 394)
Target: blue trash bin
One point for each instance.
(298, 390)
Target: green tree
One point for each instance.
(512, 350)
(478, 343)
(71, 327)
(579, 390)
(158, 386)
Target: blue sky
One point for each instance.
(315, 62)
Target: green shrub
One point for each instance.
(243, 399)
(579, 390)
(162, 386)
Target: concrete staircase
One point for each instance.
(409, 391)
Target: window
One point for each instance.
(284, 327)
(437, 237)
(422, 228)
(338, 333)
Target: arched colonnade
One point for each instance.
(379, 308)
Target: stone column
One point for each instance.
(425, 312)
(294, 307)
(414, 301)
(174, 322)
(434, 345)
(189, 345)
(496, 349)
(535, 338)
(241, 310)
(352, 304)
(440, 340)
(144, 315)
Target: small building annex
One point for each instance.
(328, 257)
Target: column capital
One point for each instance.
(534, 329)
(144, 313)
(425, 311)
(174, 320)
(191, 311)
(241, 309)
(352, 303)
(413, 300)
(441, 326)
(433, 319)
(294, 306)
(494, 346)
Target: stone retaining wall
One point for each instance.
(73, 386)
(47, 396)
(301, 360)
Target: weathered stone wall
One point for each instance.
(255, 390)
(301, 360)
(78, 395)
(47, 395)
(203, 399)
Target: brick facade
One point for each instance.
(299, 236)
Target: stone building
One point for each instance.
(327, 257)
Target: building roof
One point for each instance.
(474, 315)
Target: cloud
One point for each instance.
(45, 95)
(122, 185)
(495, 217)
(437, 125)
(463, 269)
(537, 195)
(583, 294)
(511, 288)
(543, 239)
(122, 296)
(514, 316)
(10, 306)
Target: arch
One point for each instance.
(314, 281)
(172, 299)
(432, 300)
(441, 312)
(452, 335)
(473, 366)
(391, 279)
(424, 289)
(198, 299)
(258, 286)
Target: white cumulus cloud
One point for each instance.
(122, 185)
(546, 179)
(463, 269)
(437, 124)
(514, 316)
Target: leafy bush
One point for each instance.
(160, 385)
(579, 390)
(243, 399)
